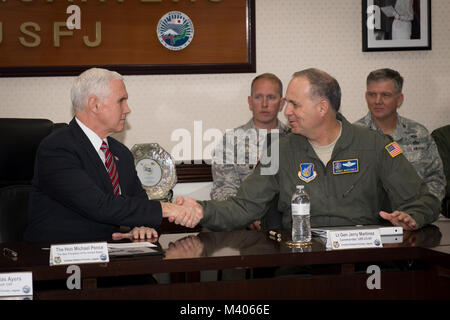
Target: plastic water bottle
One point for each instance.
(301, 225)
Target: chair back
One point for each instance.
(13, 212)
(19, 140)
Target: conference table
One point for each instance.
(416, 267)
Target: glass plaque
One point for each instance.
(155, 168)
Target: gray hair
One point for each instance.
(386, 74)
(92, 82)
(270, 77)
(322, 85)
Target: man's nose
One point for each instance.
(378, 99)
(126, 109)
(287, 109)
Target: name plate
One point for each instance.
(353, 239)
(77, 253)
(16, 284)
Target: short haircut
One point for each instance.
(322, 86)
(386, 74)
(270, 77)
(92, 82)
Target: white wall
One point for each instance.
(291, 35)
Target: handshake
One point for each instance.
(185, 211)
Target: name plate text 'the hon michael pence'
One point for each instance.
(78, 253)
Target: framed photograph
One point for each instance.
(391, 25)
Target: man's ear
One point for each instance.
(400, 100)
(93, 103)
(324, 106)
(250, 103)
(367, 97)
(282, 103)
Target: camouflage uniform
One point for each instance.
(419, 148)
(227, 177)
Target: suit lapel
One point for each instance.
(92, 154)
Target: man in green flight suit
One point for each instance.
(346, 170)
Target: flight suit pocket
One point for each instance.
(405, 191)
(353, 181)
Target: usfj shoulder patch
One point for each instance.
(393, 149)
(345, 166)
(307, 172)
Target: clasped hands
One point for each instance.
(185, 211)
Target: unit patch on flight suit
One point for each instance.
(307, 172)
(345, 166)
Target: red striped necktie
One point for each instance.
(111, 168)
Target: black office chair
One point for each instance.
(13, 212)
(442, 138)
(19, 141)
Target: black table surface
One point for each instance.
(188, 252)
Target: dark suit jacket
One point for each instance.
(72, 196)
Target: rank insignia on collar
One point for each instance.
(307, 172)
(345, 166)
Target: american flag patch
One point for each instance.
(393, 149)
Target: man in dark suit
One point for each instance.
(85, 185)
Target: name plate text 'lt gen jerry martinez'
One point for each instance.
(353, 239)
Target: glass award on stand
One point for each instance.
(156, 170)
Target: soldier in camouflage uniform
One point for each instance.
(242, 148)
(384, 96)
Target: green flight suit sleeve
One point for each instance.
(250, 203)
(406, 190)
